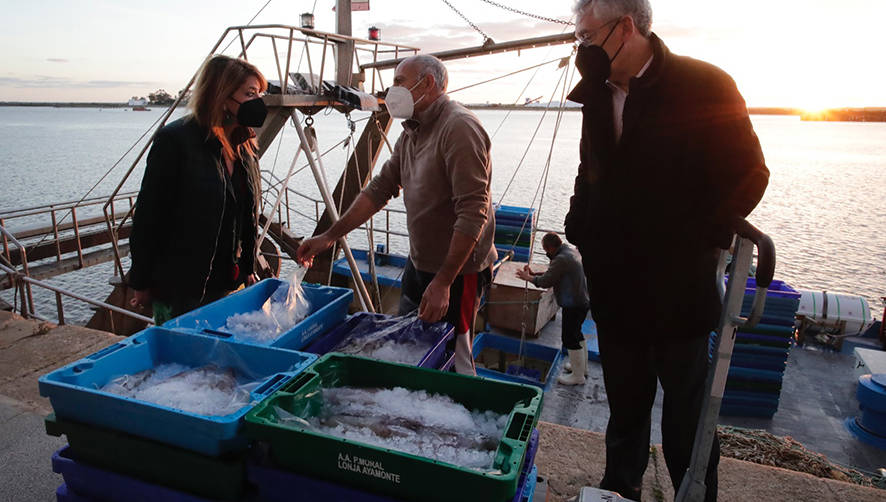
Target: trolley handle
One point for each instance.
(748, 234)
(765, 252)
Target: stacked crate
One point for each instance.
(119, 446)
(760, 355)
(122, 449)
(381, 474)
(514, 231)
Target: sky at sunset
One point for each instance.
(791, 53)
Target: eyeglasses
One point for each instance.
(586, 39)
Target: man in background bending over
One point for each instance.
(442, 163)
(565, 274)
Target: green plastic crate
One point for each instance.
(211, 477)
(387, 471)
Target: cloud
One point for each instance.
(49, 82)
(438, 37)
(57, 60)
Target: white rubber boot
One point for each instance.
(464, 359)
(577, 377)
(568, 365)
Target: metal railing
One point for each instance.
(57, 230)
(24, 283)
(274, 32)
(290, 206)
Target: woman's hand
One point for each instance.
(141, 298)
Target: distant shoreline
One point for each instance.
(49, 104)
(867, 114)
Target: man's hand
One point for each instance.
(435, 302)
(525, 273)
(141, 298)
(311, 248)
(251, 279)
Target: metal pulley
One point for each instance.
(310, 134)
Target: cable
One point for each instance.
(535, 74)
(503, 76)
(529, 144)
(528, 14)
(250, 22)
(486, 38)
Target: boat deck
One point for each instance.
(818, 394)
(813, 404)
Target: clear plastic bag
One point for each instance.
(286, 306)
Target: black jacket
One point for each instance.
(177, 225)
(650, 213)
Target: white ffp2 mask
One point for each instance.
(399, 101)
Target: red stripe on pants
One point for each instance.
(468, 303)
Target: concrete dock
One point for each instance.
(568, 457)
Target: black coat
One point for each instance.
(650, 214)
(177, 225)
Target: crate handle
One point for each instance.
(521, 427)
(299, 382)
(216, 333)
(105, 351)
(271, 385)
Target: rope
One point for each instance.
(528, 83)
(250, 22)
(486, 38)
(102, 178)
(529, 144)
(529, 14)
(506, 75)
(542, 187)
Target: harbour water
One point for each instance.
(823, 208)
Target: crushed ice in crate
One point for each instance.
(283, 310)
(416, 422)
(207, 390)
(384, 344)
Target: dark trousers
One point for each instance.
(464, 295)
(630, 372)
(570, 330)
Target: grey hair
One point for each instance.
(639, 10)
(430, 65)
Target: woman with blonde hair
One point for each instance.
(194, 226)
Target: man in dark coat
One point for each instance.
(669, 164)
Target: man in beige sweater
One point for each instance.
(442, 163)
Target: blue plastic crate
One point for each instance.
(73, 390)
(63, 494)
(508, 345)
(513, 214)
(437, 334)
(521, 254)
(329, 305)
(531, 481)
(276, 485)
(384, 261)
(84, 482)
(529, 471)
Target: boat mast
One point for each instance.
(345, 54)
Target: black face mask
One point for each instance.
(592, 61)
(252, 113)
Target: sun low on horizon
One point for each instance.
(790, 54)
